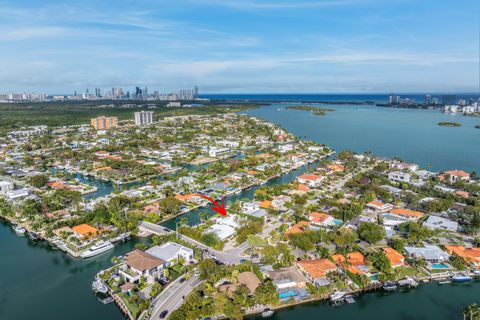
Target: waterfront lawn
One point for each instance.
(403, 272)
(133, 303)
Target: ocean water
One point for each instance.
(411, 134)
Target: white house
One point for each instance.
(138, 263)
(285, 147)
(248, 207)
(434, 222)
(398, 176)
(312, 180)
(5, 187)
(170, 252)
(379, 206)
(428, 253)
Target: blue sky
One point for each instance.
(240, 46)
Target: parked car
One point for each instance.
(163, 314)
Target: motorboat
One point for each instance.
(267, 313)
(97, 249)
(99, 286)
(19, 230)
(461, 278)
(337, 295)
(389, 286)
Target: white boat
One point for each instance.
(267, 313)
(389, 286)
(97, 249)
(337, 295)
(99, 286)
(461, 278)
(19, 230)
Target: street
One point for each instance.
(172, 298)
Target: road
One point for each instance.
(172, 298)
(228, 256)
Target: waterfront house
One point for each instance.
(395, 258)
(429, 253)
(247, 279)
(470, 255)
(138, 263)
(321, 219)
(434, 222)
(311, 180)
(353, 262)
(316, 270)
(85, 231)
(171, 252)
(453, 176)
(285, 278)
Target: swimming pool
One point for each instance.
(287, 294)
(439, 266)
(338, 222)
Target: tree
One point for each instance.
(471, 312)
(38, 180)
(266, 294)
(371, 232)
(380, 262)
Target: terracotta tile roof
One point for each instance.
(142, 261)
(317, 269)
(303, 187)
(406, 213)
(265, 204)
(351, 261)
(85, 229)
(462, 194)
(186, 197)
(310, 177)
(318, 217)
(457, 173)
(297, 228)
(395, 258)
(375, 203)
(469, 254)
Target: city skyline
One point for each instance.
(308, 47)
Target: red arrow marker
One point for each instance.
(216, 206)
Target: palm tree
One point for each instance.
(471, 312)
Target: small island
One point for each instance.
(315, 110)
(449, 124)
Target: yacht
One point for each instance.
(461, 278)
(337, 295)
(99, 286)
(97, 249)
(19, 230)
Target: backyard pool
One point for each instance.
(439, 266)
(287, 294)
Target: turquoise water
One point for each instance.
(413, 135)
(37, 282)
(439, 266)
(287, 294)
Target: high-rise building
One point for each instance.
(143, 118)
(138, 93)
(394, 99)
(428, 99)
(104, 123)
